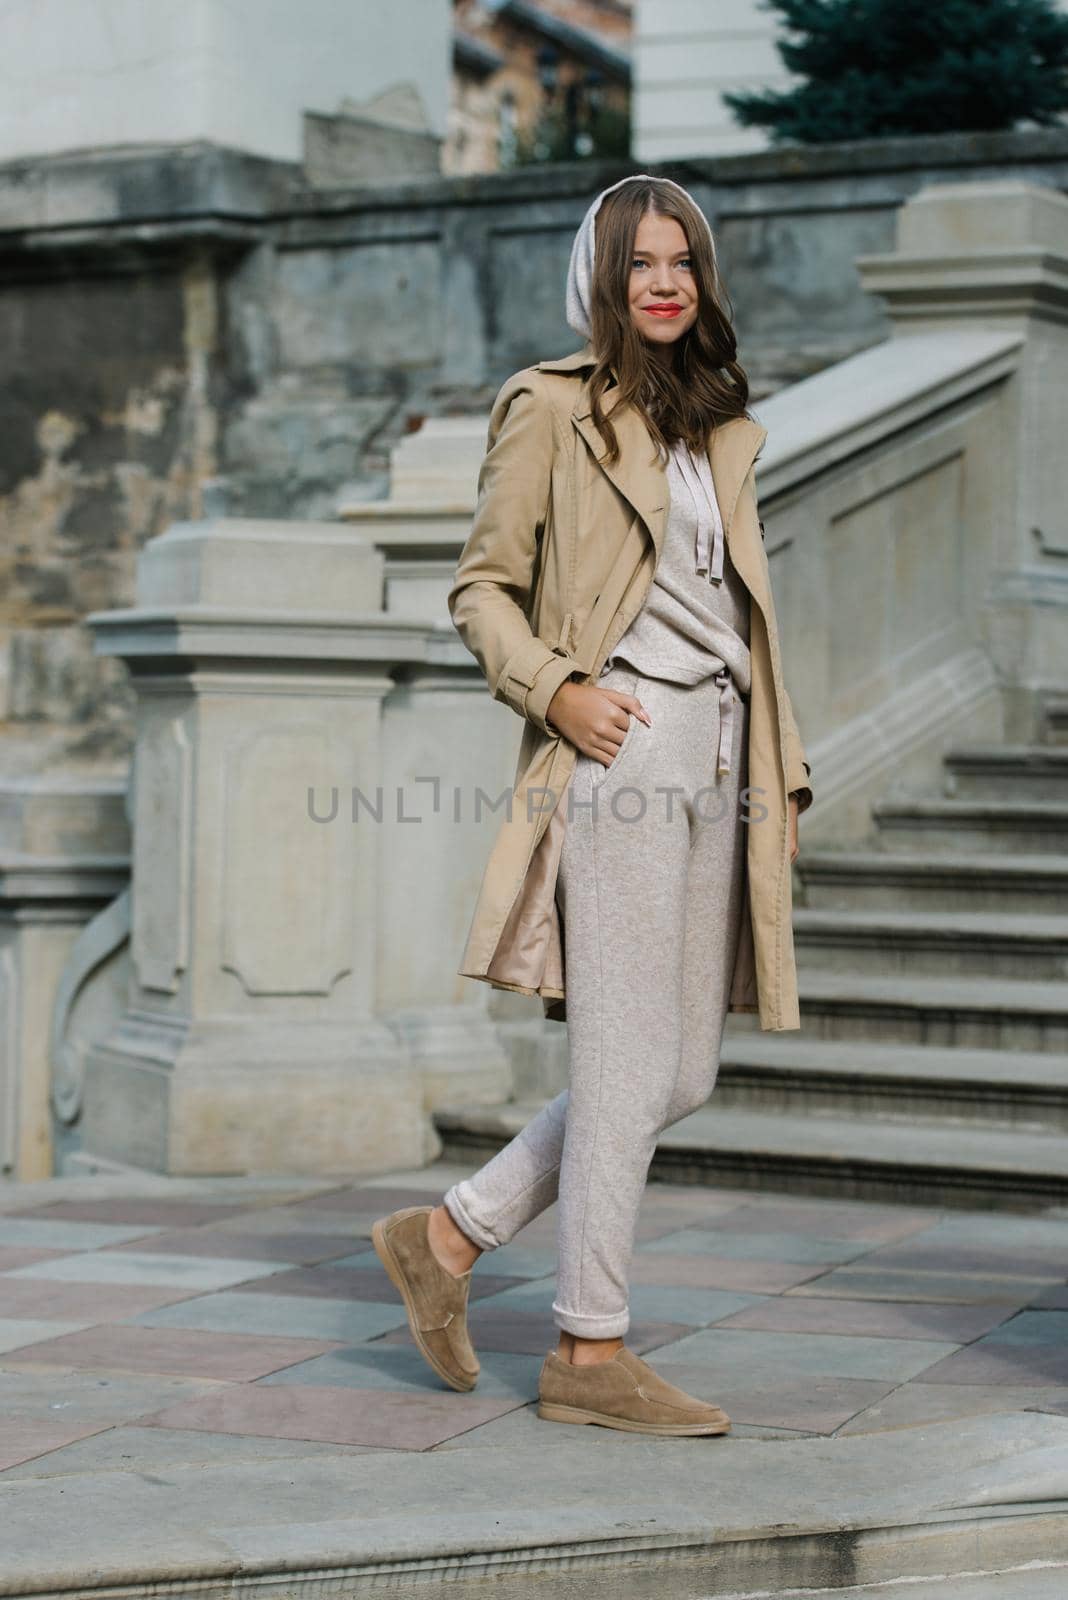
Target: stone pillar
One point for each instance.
(995, 255)
(63, 856)
(260, 659)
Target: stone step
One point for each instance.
(1035, 1581)
(782, 1072)
(928, 943)
(940, 824)
(1007, 772)
(974, 1012)
(867, 878)
(862, 1158)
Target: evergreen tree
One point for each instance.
(874, 68)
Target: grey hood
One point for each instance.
(580, 271)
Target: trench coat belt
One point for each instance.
(727, 698)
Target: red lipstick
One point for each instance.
(664, 308)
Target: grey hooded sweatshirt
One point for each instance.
(695, 620)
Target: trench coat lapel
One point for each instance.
(639, 475)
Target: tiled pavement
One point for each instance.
(225, 1321)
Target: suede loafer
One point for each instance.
(434, 1298)
(624, 1393)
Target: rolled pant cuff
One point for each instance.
(465, 1222)
(610, 1327)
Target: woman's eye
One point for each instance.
(636, 263)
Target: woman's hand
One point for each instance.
(792, 827)
(594, 720)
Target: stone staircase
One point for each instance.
(932, 1060)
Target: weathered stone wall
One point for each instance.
(190, 329)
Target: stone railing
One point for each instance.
(293, 1000)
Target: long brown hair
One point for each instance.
(704, 385)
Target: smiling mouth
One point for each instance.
(663, 311)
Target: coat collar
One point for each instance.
(638, 474)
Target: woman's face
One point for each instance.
(663, 291)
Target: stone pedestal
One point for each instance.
(250, 1041)
(63, 856)
(995, 255)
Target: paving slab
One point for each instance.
(915, 1404)
(795, 1314)
(826, 1355)
(1033, 1327)
(793, 1247)
(148, 1448)
(177, 1351)
(973, 1288)
(648, 1302)
(85, 1303)
(769, 1398)
(289, 1249)
(15, 1332)
(831, 1219)
(37, 1231)
(142, 1267)
(389, 1419)
(400, 1367)
(134, 1210)
(1042, 1365)
(714, 1272)
(286, 1315)
(247, 1354)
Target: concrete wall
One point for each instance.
(238, 72)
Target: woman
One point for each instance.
(660, 777)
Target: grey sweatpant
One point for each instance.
(650, 888)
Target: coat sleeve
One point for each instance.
(492, 584)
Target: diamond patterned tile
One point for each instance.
(401, 1367)
(12, 1256)
(964, 1288)
(288, 1316)
(361, 1283)
(1033, 1327)
(738, 1351)
(1041, 1366)
(153, 1213)
(808, 1404)
(531, 1333)
(713, 1272)
(84, 1303)
(284, 1249)
(370, 1202)
(917, 1404)
(36, 1233)
(832, 1219)
(168, 1351)
(396, 1421)
(694, 1307)
(790, 1247)
(143, 1268)
(147, 1449)
(796, 1314)
(25, 1438)
(15, 1332)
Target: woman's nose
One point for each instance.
(663, 280)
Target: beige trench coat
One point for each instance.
(560, 557)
